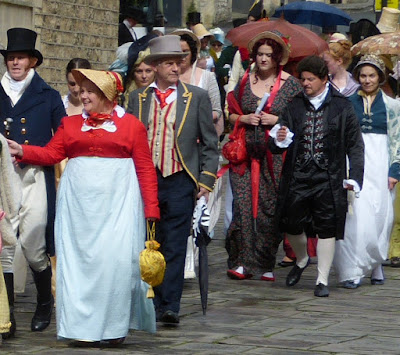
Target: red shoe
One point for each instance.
(268, 278)
(237, 275)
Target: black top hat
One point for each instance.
(256, 10)
(135, 13)
(22, 40)
(193, 18)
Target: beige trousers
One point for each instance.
(30, 226)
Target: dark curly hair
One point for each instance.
(315, 65)
(192, 45)
(277, 51)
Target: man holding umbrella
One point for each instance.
(183, 143)
(314, 180)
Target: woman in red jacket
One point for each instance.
(107, 190)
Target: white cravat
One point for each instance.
(15, 89)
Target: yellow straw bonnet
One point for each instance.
(108, 82)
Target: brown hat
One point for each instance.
(108, 82)
(372, 60)
(164, 47)
(278, 38)
(389, 21)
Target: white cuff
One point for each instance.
(286, 142)
(356, 187)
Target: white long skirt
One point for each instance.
(367, 232)
(100, 231)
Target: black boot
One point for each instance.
(9, 281)
(45, 301)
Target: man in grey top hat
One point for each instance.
(30, 110)
(183, 144)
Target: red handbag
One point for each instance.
(235, 149)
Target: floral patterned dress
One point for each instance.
(256, 250)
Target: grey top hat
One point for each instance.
(164, 47)
(22, 40)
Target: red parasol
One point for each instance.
(302, 41)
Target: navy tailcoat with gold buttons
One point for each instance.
(35, 117)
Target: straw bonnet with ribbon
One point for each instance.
(389, 21)
(22, 40)
(164, 47)
(373, 60)
(185, 31)
(108, 82)
(278, 38)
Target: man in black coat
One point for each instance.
(314, 179)
(126, 30)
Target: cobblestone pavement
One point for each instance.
(251, 317)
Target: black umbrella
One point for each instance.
(201, 221)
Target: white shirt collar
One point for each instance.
(170, 98)
(318, 100)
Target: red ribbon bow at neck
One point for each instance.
(162, 96)
(96, 119)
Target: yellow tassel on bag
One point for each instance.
(152, 262)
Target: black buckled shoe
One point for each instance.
(295, 274)
(321, 290)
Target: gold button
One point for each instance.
(23, 131)
(7, 133)
(26, 142)
(23, 120)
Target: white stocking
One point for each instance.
(298, 242)
(325, 253)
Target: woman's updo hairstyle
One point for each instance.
(341, 50)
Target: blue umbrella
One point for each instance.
(313, 13)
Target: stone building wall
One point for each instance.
(212, 11)
(68, 29)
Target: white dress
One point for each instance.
(100, 294)
(367, 231)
